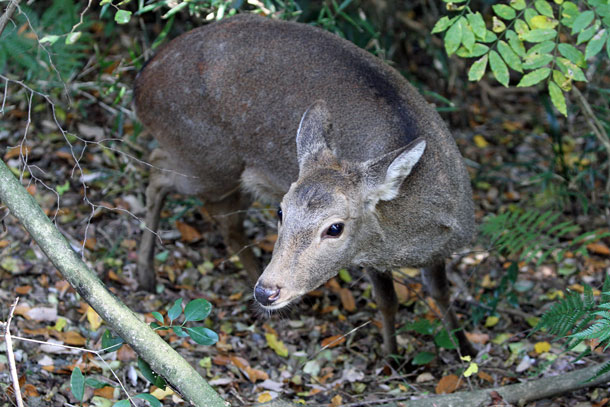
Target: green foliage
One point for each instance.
(526, 37)
(54, 56)
(579, 317)
(434, 329)
(532, 234)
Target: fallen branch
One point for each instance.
(162, 358)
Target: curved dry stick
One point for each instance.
(11, 357)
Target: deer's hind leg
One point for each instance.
(435, 280)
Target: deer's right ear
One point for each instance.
(313, 130)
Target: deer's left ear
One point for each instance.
(384, 175)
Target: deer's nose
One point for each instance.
(266, 295)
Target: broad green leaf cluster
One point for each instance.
(538, 40)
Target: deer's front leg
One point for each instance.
(385, 297)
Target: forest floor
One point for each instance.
(326, 348)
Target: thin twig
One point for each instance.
(12, 6)
(11, 356)
(596, 127)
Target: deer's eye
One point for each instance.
(279, 214)
(334, 230)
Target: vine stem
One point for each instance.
(10, 9)
(596, 127)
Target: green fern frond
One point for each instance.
(534, 235)
(602, 371)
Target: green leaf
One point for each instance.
(453, 37)
(158, 317)
(504, 11)
(122, 16)
(477, 70)
(202, 335)
(509, 56)
(478, 50)
(467, 36)
(586, 35)
(582, 20)
(517, 4)
(498, 67)
(540, 35)
(544, 8)
(73, 37)
(77, 384)
(560, 79)
(51, 39)
(176, 309)
(96, 384)
(122, 403)
(111, 343)
(442, 24)
(497, 25)
(534, 77)
(197, 310)
(152, 400)
(572, 53)
(423, 358)
(443, 340)
(569, 12)
(477, 24)
(149, 375)
(521, 27)
(596, 44)
(608, 46)
(536, 61)
(515, 43)
(528, 14)
(541, 48)
(489, 36)
(558, 98)
(570, 70)
(543, 22)
(179, 331)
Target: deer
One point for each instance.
(365, 171)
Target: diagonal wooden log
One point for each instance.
(147, 343)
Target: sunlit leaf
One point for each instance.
(596, 44)
(586, 35)
(442, 24)
(572, 53)
(453, 37)
(558, 98)
(122, 16)
(517, 4)
(497, 25)
(477, 23)
(477, 70)
(539, 35)
(528, 14)
(202, 335)
(537, 61)
(570, 70)
(521, 27)
(197, 310)
(175, 311)
(478, 50)
(504, 11)
(560, 79)
(467, 35)
(515, 43)
(543, 22)
(582, 20)
(534, 77)
(509, 56)
(544, 8)
(498, 67)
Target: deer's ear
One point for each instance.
(385, 175)
(313, 130)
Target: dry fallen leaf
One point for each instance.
(599, 248)
(94, 319)
(347, 299)
(188, 233)
(448, 384)
(333, 341)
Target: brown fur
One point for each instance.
(225, 102)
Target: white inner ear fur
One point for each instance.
(399, 169)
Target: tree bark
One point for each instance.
(151, 347)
